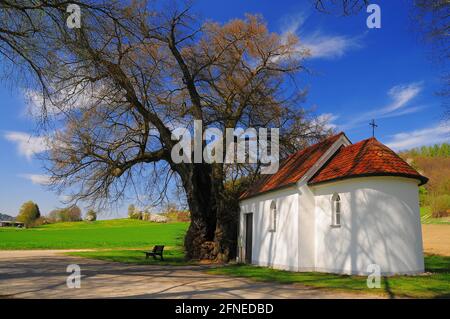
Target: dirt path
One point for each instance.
(436, 239)
(42, 274)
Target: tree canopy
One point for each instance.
(112, 92)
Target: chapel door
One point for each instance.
(248, 237)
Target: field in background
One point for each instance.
(116, 233)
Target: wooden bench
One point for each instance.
(157, 251)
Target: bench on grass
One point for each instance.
(156, 251)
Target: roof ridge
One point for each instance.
(311, 146)
(292, 168)
(368, 157)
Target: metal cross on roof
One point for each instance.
(373, 127)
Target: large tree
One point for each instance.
(114, 89)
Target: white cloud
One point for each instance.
(327, 120)
(27, 144)
(435, 134)
(37, 179)
(66, 100)
(401, 96)
(319, 44)
(292, 23)
(329, 46)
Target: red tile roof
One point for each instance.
(292, 168)
(366, 158)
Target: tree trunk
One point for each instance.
(227, 210)
(213, 229)
(203, 216)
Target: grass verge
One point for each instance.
(435, 283)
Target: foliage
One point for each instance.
(436, 150)
(68, 214)
(440, 205)
(91, 216)
(117, 233)
(434, 163)
(29, 213)
(139, 69)
(41, 221)
(131, 210)
(178, 216)
(136, 215)
(174, 214)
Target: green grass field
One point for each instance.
(124, 240)
(117, 233)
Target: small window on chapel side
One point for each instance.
(273, 217)
(336, 210)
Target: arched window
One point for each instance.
(336, 210)
(273, 217)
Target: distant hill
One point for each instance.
(437, 150)
(434, 163)
(6, 217)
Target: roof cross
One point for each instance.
(373, 127)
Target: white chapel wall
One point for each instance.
(277, 249)
(380, 225)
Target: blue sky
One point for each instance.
(356, 74)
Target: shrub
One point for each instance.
(29, 213)
(41, 221)
(178, 216)
(136, 215)
(91, 216)
(131, 210)
(440, 205)
(69, 214)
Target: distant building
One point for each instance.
(6, 217)
(8, 223)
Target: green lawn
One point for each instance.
(117, 233)
(436, 284)
(124, 240)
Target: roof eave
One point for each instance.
(423, 180)
(267, 191)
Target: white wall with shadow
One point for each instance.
(380, 224)
(279, 248)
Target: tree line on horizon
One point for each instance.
(30, 215)
(433, 162)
